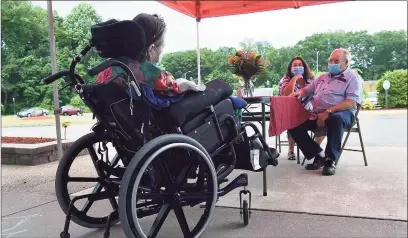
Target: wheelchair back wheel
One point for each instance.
(80, 214)
(156, 182)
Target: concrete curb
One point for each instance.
(33, 154)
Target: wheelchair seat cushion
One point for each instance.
(195, 102)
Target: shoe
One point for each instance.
(329, 168)
(291, 155)
(318, 163)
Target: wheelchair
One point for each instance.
(166, 158)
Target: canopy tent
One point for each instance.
(200, 9)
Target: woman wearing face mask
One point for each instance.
(144, 67)
(297, 76)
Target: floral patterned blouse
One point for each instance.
(146, 73)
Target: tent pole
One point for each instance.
(54, 70)
(198, 54)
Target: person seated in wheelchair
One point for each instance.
(174, 109)
(161, 85)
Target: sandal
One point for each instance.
(291, 155)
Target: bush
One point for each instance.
(367, 105)
(397, 93)
(2, 109)
(365, 94)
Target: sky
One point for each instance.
(280, 28)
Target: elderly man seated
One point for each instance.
(335, 98)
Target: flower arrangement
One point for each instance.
(247, 64)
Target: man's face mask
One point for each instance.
(334, 68)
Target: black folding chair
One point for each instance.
(350, 129)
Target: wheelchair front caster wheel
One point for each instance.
(245, 212)
(64, 235)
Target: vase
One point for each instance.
(248, 86)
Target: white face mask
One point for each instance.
(154, 54)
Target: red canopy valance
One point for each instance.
(200, 9)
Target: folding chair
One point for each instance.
(350, 129)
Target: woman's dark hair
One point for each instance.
(307, 72)
(153, 26)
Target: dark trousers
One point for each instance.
(335, 129)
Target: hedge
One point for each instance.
(398, 91)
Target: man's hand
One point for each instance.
(321, 118)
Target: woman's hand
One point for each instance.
(301, 81)
(297, 77)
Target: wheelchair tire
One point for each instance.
(245, 212)
(132, 178)
(61, 188)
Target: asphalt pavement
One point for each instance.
(378, 130)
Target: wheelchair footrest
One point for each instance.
(240, 181)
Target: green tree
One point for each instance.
(398, 91)
(25, 53)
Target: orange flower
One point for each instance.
(239, 52)
(230, 60)
(235, 59)
(253, 55)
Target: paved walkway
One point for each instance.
(376, 191)
(48, 221)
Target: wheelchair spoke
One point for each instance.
(165, 171)
(88, 203)
(183, 175)
(178, 210)
(80, 179)
(158, 222)
(152, 196)
(196, 195)
(94, 157)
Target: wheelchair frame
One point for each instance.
(111, 185)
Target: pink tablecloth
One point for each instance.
(286, 113)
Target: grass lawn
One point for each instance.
(7, 121)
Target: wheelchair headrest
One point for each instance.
(115, 38)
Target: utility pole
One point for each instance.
(54, 70)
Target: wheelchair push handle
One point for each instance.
(50, 79)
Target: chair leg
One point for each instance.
(342, 147)
(298, 154)
(280, 147)
(361, 143)
(304, 159)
